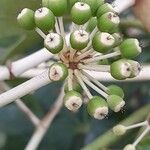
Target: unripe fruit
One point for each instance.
(91, 24)
(80, 13)
(136, 68)
(54, 43)
(73, 100)
(104, 9)
(58, 7)
(94, 4)
(118, 39)
(26, 19)
(44, 19)
(119, 130)
(130, 48)
(129, 147)
(115, 90)
(115, 103)
(58, 72)
(97, 108)
(108, 22)
(103, 42)
(76, 86)
(120, 69)
(79, 39)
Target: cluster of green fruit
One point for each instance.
(98, 28)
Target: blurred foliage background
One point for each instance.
(69, 131)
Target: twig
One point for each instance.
(136, 125)
(105, 76)
(95, 81)
(33, 118)
(57, 26)
(142, 135)
(101, 68)
(45, 123)
(90, 84)
(42, 34)
(70, 79)
(32, 73)
(25, 88)
(20, 66)
(83, 55)
(84, 87)
(101, 57)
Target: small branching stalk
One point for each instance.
(121, 130)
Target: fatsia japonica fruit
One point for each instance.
(94, 4)
(58, 7)
(104, 9)
(79, 39)
(108, 22)
(26, 19)
(54, 43)
(97, 107)
(73, 100)
(44, 19)
(80, 13)
(103, 42)
(94, 43)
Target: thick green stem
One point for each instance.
(109, 138)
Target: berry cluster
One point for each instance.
(95, 44)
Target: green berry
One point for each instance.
(118, 39)
(80, 13)
(103, 42)
(129, 147)
(136, 68)
(73, 100)
(97, 108)
(54, 43)
(108, 22)
(79, 39)
(44, 19)
(94, 4)
(115, 102)
(58, 72)
(76, 86)
(130, 48)
(26, 19)
(58, 7)
(91, 24)
(119, 130)
(120, 69)
(115, 90)
(104, 9)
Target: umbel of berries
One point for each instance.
(94, 39)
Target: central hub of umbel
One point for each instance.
(73, 65)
